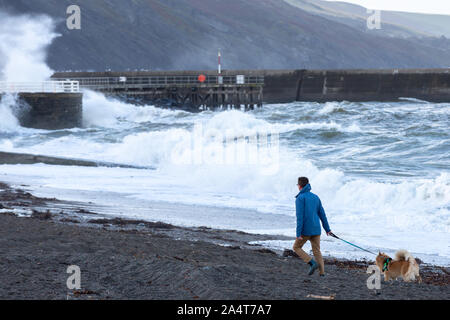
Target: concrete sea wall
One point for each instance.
(282, 86)
(50, 111)
(373, 85)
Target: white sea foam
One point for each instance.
(100, 111)
(419, 204)
(8, 121)
(329, 107)
(156, 148)
(23, 43)
(397, 210)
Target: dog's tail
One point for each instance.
(403, 255)
(413, 268)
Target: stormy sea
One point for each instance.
(382, 170)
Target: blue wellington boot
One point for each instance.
(314, 266)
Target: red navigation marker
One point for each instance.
(202, 78)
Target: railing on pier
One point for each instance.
(111, 83)
(188, 91)
(40, 87)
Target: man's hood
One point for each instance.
(305, 189)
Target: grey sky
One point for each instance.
(424, 6)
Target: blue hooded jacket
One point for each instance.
(309, 210)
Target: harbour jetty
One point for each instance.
(48, 105)
(189, 90)
(387, 85)
(200, 90)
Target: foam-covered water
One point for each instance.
(381, 169)
(8, 120)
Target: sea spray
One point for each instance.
(24, 40)
(8, 119)
(108, 112)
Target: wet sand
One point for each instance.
(129, 259)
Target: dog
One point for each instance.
(404, 266)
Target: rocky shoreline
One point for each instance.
(132, 259)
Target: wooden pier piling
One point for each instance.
(187, 91)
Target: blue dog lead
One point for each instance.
(335, 236)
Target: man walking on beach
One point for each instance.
(309, 211)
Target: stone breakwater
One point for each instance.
(284, 86)
(50, 111)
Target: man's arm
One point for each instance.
(300, 211)
(323, 218)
